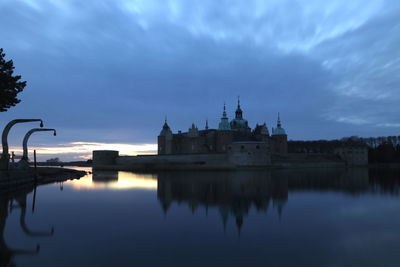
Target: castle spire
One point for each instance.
(224, 112)
(238, 113)
(206, 124)
(165, 123)
(278, 124)
(278, 130)
(165, 129)
(224, 124)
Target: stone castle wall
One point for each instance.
(161, 162)
(249, 154)
(244, 154)
(105, 157)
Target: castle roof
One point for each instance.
(261, 129)
(278, 130)
(224, 124)
(238, 122)
(165, 130)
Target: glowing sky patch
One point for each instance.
(83, 150)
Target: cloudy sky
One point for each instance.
(105, 73)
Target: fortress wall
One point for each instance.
(110, 160)
(240, 154)
(302, 160)
(104, 157)
(249, 154)
(184, 158)
(302, 164)
(306, 157)
(173, 162)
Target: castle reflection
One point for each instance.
(9, 202)
(235, 193)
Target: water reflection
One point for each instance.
(235, 193)
(105, 176)
(113, 180)
(136, 216)
(9, 202)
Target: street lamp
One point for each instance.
(26, 138)
(5, 158)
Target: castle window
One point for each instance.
(242, 147)
(257, 146)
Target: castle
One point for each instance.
(232, 146)
(230, 135)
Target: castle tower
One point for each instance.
(238, 123)
(224, 134)
(165, 140)
(261, 133)
(193, 131)
(279, 138)
(224, 124)
(238, 112)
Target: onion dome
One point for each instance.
(238, 123)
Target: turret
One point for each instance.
(193, 131)
(238, 123)
(279, 138)
(224, 124)
(238, 112)
(278, 130)
(165, 140)
(261, 132)
(166, 131)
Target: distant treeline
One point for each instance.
(57, 162)
(380, 149)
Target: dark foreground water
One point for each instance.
(283, 218)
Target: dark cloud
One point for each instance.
(366, 62)
(110, 71)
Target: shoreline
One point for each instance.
(15, 179)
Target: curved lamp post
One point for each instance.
(26, 138)
(4, 140)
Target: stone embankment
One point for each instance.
(13, 179)
(110, 160)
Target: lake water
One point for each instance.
(248, 218)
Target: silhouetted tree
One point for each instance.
(10, 85)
